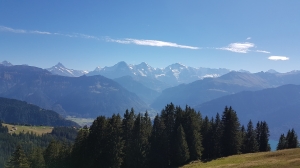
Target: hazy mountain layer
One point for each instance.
(83, 96)
(279, 107)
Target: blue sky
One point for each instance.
(252, 35)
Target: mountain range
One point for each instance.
(279, 107)
(207, 89)
(86, 96)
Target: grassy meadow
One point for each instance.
(277, 159)
(39, 130)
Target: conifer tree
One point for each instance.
(206, 132)
(141, 146)
(114, 141)
(18, 159)
(262, 131)
(243, 138)
(231, 140)
(216, 137)
(182, 151)
(158, 152)
(97, 143)
(51, 154)
(250, 142)
(36, 158)
(192, 127)
(80, 148)
(281, 143)
(291, 139)
(168, 117)
(127, 126)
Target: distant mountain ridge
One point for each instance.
(60, 69)
(82, 96)
(208, 89)
(279, 107)
(172, 75)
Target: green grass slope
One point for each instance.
(284, 158)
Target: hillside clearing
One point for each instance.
(283, 158)
(39, 130)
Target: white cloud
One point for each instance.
(155, 43)
(238, 47)
(87, 36)
(278, 58)
(248, 38)
(8, 29)
(40, 32)
(262, 51)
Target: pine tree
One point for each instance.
(250, 142)
(231, 140)
(291, 139)
(281, 143)
(262, 130)
(97, 143)
(114, 141)
(192, 127)
(182, 151)
(18, 159)
(158, 152)
(168, 117)
(244, 139)
(141, 147)
(51, 154)
(127, 126)
(80, 148)
(206, 132)
(36, 158)
(216, 137)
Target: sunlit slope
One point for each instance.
(284, 158)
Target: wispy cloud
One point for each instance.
(262, 51)
(8, 29)
(248, 38)
(155, 43)
(278, 58)
(40, 32)
(238, 47)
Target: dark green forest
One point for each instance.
(29, 142)
(174, 137)
(21, 113)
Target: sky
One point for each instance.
(253, 35)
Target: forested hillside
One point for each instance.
(32, 144)
(176, 136)
(20, 112)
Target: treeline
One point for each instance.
(289, 141)
(175, 137)
(22, 113)
(31, 142)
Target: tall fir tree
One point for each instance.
(18, 159)
(291, 139)
(216, 137)
(262, 131)
(192, 127)
(181, 148)
(250, 141)
(127, 126)
(206, 132)
(115, 142)
(231, 140)
(281, 143)
(36, 158)
(168, 117)
(158, 152)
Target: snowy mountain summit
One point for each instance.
(60, 69)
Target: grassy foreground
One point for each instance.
(39, 130)
(282, 158)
